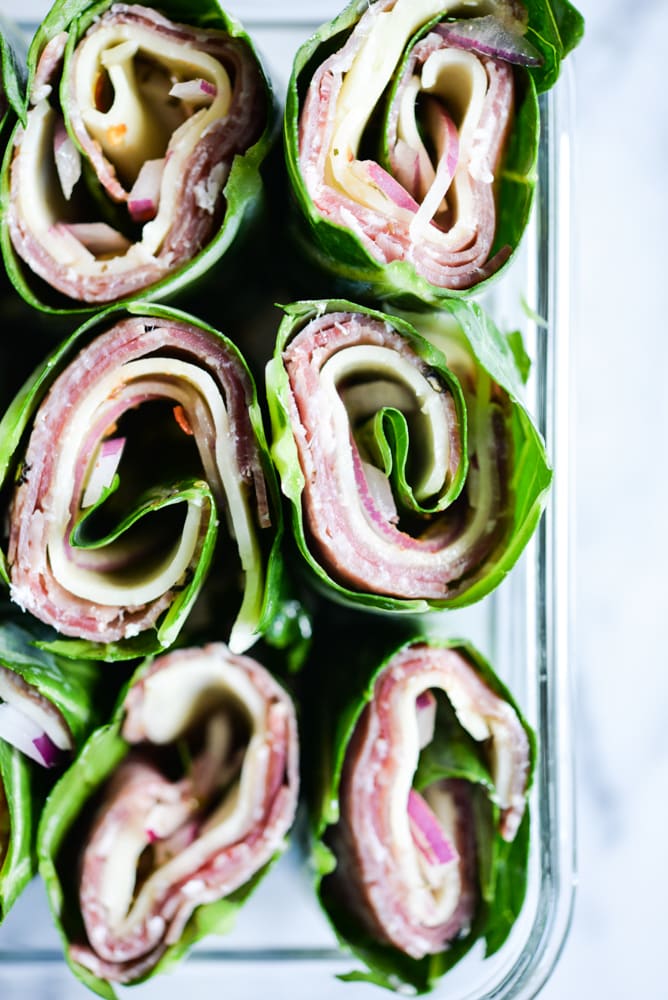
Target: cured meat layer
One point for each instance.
(145, 449)
(408, 857)
(118, 178)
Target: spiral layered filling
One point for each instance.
(407, 856)
(117, 179)
(200, 805)
(428, 196)
(404, 486)
(143, 444)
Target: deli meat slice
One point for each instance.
(144, 445)
(156, 111)
(432, 202)
(407, 859)
(161, 844)
(348, 370)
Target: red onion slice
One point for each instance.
(425, 706)
(144, 198)
(104, 470)
(194, 91)
(67, 159)
(97, 237)
(427, 833)
(490, 37)
(27, 736)
(389, 186)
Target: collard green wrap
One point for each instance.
(411, 135)
(138, 162)
(170, 815)
(415, 474)
(135, 468)
(48, 705)
(419, 790)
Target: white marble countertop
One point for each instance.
(615, 949)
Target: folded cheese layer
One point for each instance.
(405, 486)
(145, 441)
(117, 179)
(428, 196)
(200, 804)
(407, 857)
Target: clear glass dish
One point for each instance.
(282, 945)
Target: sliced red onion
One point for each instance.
(67, 158)
(389, 186)
(97, 237)
(488, 36)
(446, 141)
(144, 197)
(50, 753)
(427, 833)
(27, 736)
(194, 91)
(103, 471)
(425, 706)
(380, 489)
(407, 166)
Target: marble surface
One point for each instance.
(615, 949)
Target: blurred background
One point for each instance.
(619, 339)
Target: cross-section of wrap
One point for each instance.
(171, 813)
(139, 161)
(411, 134)
(415, 475)
(142, 468)
(48, 705)
(420, 812)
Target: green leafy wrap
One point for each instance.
(13, 52)
(419, 772)
(137, 164)
(170, 815)
(411, 135)
(414, 473)
(135, 468)
(48, 706)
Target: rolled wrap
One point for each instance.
(48, 705)
(411, 134)
(414, 481)
(171, 813)
(420, 821)
(139, 160)
(145, 465)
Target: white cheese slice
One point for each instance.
(427, 412)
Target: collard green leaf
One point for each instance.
(24, 789)
(13, 55)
